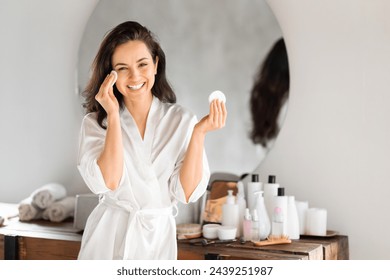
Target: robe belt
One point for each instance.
(142, 213)
(137, 218)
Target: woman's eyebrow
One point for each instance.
(120, 64)
(139, 60)
(124, 64)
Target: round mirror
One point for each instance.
(209, 45)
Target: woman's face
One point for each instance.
(135, 67)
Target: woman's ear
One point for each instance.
(155, 66)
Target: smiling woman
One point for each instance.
(139, 151)
(209, 45)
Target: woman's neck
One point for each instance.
(139, 110)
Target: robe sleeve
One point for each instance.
(91, 144)
(175, 185)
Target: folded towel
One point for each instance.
(60, 210)
(28, 211)
(48, 194)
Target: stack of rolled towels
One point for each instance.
(49, 202)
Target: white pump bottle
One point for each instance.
(230, 214)
(264, 221)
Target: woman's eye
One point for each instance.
(122, 69)
(143, 64)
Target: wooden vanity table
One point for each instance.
(43, 240)
(307, 248)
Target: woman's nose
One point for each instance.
(133, 73)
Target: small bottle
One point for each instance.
(277, 228)
(255, 227)
(302, 207)
(253, 187)
(230, 215)
(241, 206)
(292, 219)
(247, 225)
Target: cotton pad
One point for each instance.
(115, 77)
(217, 95)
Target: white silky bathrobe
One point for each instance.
(136, 221)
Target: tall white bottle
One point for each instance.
(270, 190)
(292, 218)
(230, 215)
(264, 221)
(241, 206)
(254, 186)
(302, 207)
(280, 209)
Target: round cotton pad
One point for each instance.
(115, 77)
(217, 95)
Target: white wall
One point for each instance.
(334, 149)
(39, 108)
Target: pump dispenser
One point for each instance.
(264, 221)
(230, 214)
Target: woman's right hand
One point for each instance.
(106, 97)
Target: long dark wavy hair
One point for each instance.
(269, 92)
(124, 32)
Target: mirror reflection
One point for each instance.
(213, 45)
(268, 102)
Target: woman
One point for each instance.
(138, 150)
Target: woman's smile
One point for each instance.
(135, 87)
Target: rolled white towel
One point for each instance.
(28, 211)
(48, 194)
(60, 210)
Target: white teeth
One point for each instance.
(135, 87)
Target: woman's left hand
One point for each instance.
(216, 119)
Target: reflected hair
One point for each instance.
(268, 94)
(102, 66)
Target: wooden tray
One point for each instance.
(329, 233)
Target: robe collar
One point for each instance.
(130, 126)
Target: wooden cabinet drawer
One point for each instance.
(31, 248)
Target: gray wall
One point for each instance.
(39, 108)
